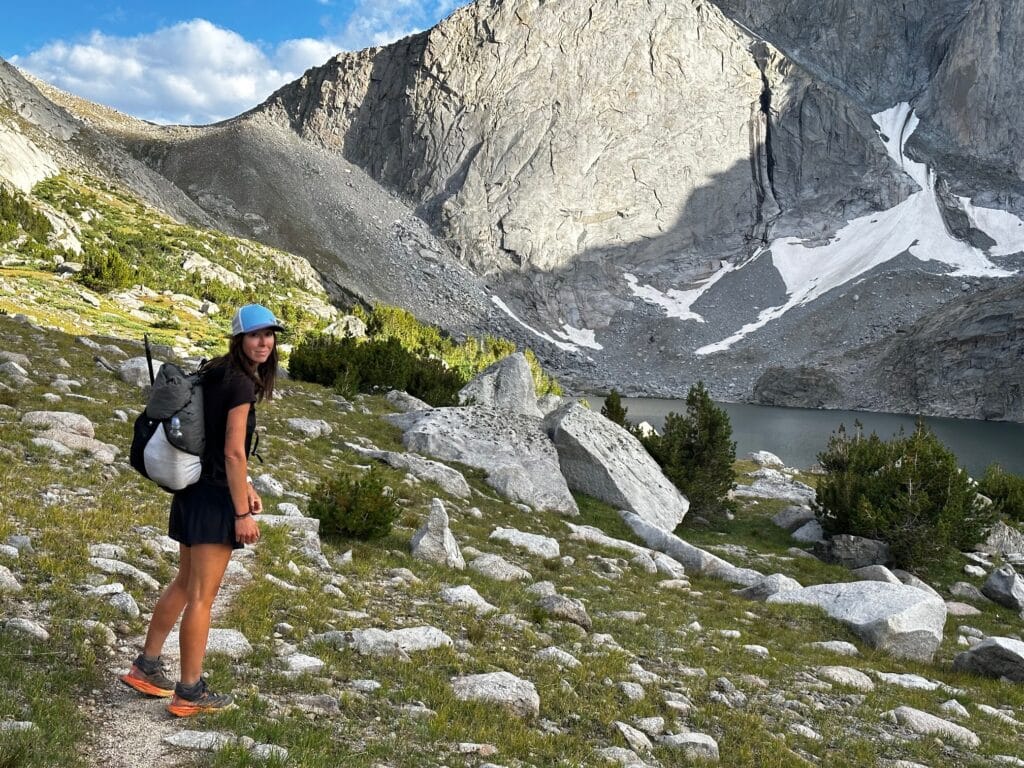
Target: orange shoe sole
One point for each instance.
(146, 688)
(188, 709)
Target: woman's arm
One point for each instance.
(236, 467)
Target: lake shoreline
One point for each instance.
(592, 397)
(798, 435)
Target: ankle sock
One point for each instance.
(147, 664)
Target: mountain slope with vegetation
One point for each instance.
(686, 650)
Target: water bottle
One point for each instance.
(175, 430)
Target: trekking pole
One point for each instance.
(149, 358)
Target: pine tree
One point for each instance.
(696, 451)
(613, 409)
(908, 492)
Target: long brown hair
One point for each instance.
(263, 376)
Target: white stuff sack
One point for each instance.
(170, 467)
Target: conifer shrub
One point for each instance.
(8, 231)
(908, 492)
(1006, 491)
(696, 451)
(352, 365)
(435, 384)
(383, 365)
(355, 508)
(105, 269)
(402, 353)
(468, 357)
(17, 212)
(319, 358)
(613, 409)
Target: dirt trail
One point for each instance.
(128, 729)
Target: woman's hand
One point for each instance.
(255, 502)
(246, 530)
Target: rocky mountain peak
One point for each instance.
(530, 133)
(644, 191)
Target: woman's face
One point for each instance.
(258, 345)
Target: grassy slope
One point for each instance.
(67, 503)
(154, 246)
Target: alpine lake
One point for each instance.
(798, 435)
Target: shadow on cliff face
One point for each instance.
(816, 184)
(815, 162)
(964, 361)
(880, 53)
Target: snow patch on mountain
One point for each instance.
(1002, 226)
(583, 337)
(576, 337)
(916, 226)
(677, 303)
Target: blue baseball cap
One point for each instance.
(253, 317)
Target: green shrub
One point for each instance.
(696, 451)
(613, 409)
(16, 211)
(355, 508)
(468, 358)
(1006, 491)
(106, 270)
(320, 359)
(353, 365)
(432, 383)
(908, 492)
(387, 322)
(8, 231)
(383, 365)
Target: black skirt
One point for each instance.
(203, 514)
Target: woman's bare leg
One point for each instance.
(169, 607)
(206, 572)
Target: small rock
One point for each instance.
(694, 746)
(636, 739)
(502, 688)
(566, 609)
(540, 546)
(8, 582)
(498, 568)
(930, 725)
(27, 627)
(467, 596)
(847, 676)
(562, 658)
(840, 647)
(266, 485)
(434, 541)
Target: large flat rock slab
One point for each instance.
(520, 460)
(899, 619)
(603, 460)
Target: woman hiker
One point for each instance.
(214, 516)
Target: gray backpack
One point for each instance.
(170, 434)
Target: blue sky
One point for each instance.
(196, 62)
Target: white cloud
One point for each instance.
(378, 22)
(198, 72)
(193, 71)
(300, 55)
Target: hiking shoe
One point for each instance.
(149, 678)
(199, 699)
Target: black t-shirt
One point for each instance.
(224, 388)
